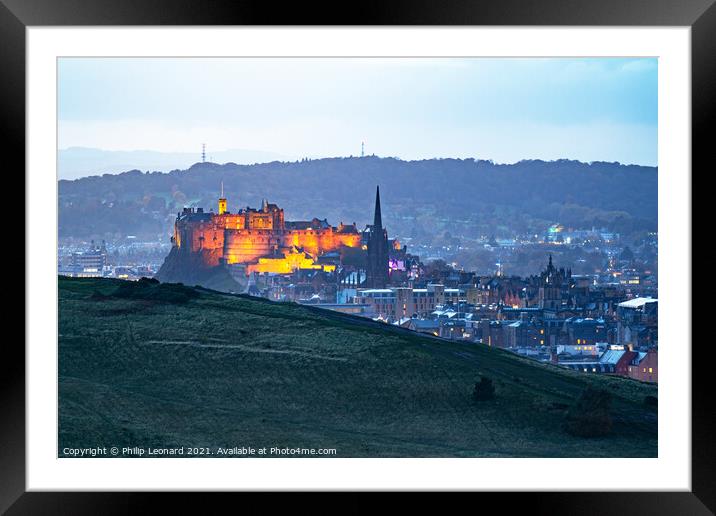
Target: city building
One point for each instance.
(399, 302)
(553, 291)
(644, 366)
(638, 323)
(90, 263)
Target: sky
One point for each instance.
(503, 109)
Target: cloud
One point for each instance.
(640, 65)
(504, 109)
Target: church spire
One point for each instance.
(377, 219)
(377, 276)
(550, 267)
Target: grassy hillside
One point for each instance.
(209, 369)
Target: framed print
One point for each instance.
(434, 250)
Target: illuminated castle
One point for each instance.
(259, 238)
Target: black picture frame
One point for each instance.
(16, 15)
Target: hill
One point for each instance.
(77, 162)
(148, 364)
(476, 196)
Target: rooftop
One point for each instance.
(611, 356)
(638, 302)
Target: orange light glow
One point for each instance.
(260, 238)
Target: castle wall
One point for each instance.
(201, 236)
(320, 241)
(259, 220)
(246, 245)
(232, 221)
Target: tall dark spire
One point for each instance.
(550, 267)
(377, 219)
(377, 276)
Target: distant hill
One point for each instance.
(523, 196)
(76, 162)
(142, 365)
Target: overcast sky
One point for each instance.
(413, 108)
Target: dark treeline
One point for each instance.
(522, 196)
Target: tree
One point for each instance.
(484, 390)
(590, 417)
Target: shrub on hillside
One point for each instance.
(484, 390)
(98, 296)
(589, 416)
(152, 290)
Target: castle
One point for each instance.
(262, 241)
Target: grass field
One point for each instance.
(221, 371)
